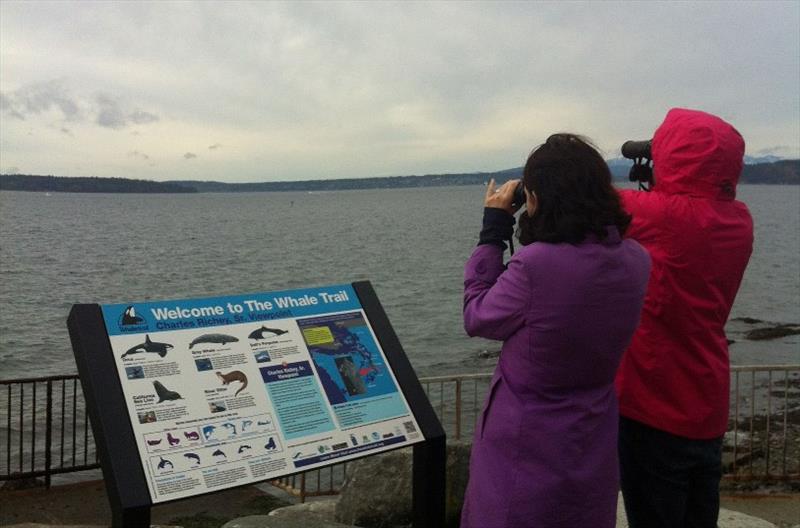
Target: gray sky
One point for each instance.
(263, 91)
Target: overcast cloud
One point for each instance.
(333, 90)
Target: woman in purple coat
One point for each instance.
(565, 307)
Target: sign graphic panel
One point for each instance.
(231, 390)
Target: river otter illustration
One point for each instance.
(259, 332)
(149, 346)
(236, 375)
(213, 338)
(164, 393)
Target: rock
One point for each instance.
(748, 320)
(772, 332)
(377, 490)
(727, 519)
(298, 519)
(322, 509)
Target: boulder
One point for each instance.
(377, 490)
(287, 520)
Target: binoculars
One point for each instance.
(641, 154)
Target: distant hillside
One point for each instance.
(23, 182)
(785, 172)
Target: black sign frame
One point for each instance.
(124, 476)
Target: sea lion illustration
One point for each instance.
(243, 447)
(164, 463)
(271, 444)
(129, 317)
(193, 456)
(219, 452)
(191, 435)
(164, 393)
(149, 346)
(172, 440)
(258, 333)
(236, 375)
(208, 431)
(213, 338)
(230, 427)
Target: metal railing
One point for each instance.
(44, 428)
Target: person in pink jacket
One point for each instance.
(673, 382)
(544, 453)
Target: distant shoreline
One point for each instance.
(784, 172)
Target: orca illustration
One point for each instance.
(164, 463)
(129, 317)
(271, 444)
(149, 346)
(164, 393)
(193, 456)
(213, 338)
(258, 333)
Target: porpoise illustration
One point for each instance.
(149, 346)
(258, 333)
(193, 456)
(230, 427)
(213, 338)
(219, 452)
(164, 393)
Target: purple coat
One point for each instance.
(545, 446)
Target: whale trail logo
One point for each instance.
(129, 321)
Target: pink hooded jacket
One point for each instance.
(675, 374)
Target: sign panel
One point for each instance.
(232, 390)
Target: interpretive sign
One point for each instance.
(201, 395)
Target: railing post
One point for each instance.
(458, 409)
(48, 433)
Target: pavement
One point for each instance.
(86, 504)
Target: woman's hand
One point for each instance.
(502, 197)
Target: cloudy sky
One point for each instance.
(264, 91)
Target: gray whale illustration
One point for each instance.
(164, 393)
(213, 338)
(149, 346)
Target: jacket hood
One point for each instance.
(698, 154)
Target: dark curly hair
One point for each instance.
(575, 197)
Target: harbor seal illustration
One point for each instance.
(213, 338)
(164, 393)
(236, 375)
(259, 332)
(149, 346)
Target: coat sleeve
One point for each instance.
(495, 299)
(648, 210)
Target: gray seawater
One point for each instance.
(59, 249)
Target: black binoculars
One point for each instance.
(641, 154)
